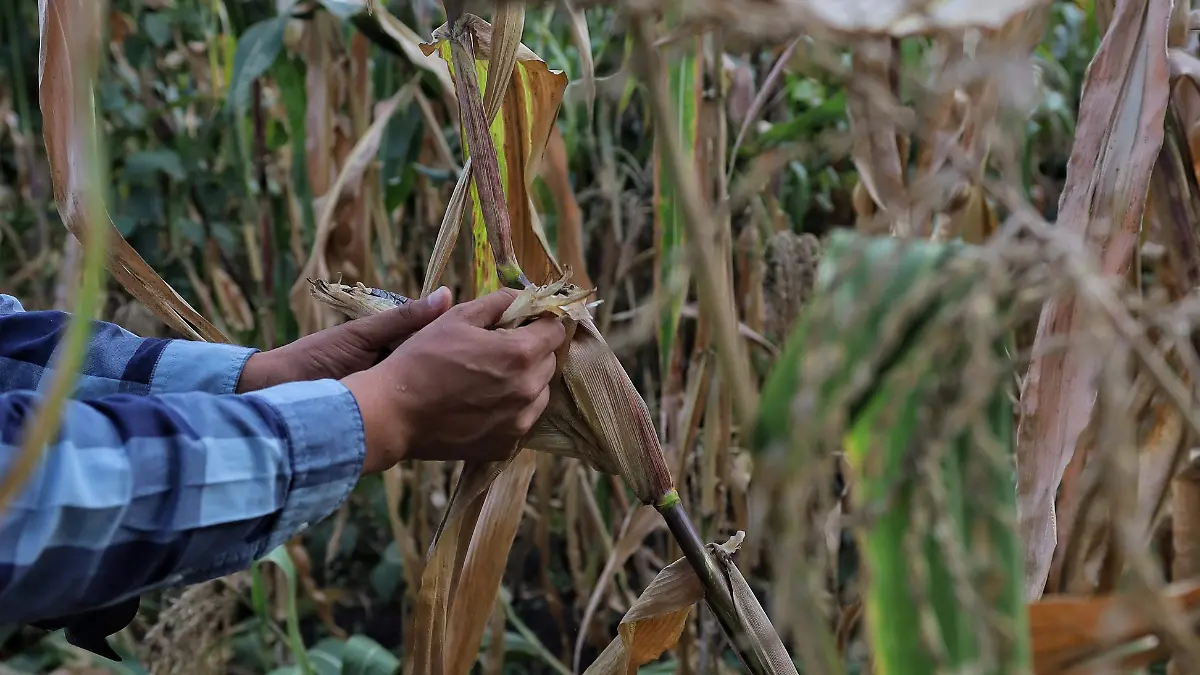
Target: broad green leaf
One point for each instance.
(143, 165)
(363, 656)
(281, 559)
(256, 52)
(158, 29)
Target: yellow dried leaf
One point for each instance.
(654, 623)
(643, 521)
(519, 132)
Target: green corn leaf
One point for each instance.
(879, 365)
(283, 561)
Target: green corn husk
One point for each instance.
(899, 362)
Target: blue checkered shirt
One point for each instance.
(160, 475)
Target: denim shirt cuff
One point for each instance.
(199, 366)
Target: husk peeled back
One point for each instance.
(595, 413)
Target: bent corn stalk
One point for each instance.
(596, 415)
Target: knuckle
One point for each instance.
(522, 353)
(530, 388)
(527, 419)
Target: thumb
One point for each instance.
(394, 325)
(486, 311)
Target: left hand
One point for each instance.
(340, 351)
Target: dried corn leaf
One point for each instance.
(527, 111)
(583, 44)
(1067, 631)
(871, 106)
(1119, 134)
(643, 521)
(311, 317)
(483, 564)
(65, 39)
(556, 173)
(654, 623)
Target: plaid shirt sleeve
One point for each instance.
(116, 361)
(165, 488)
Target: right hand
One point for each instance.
(458, 389)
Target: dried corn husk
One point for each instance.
(595, 413)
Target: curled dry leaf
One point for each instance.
(1119, 134)
(644, 520)
(1068, 631)
(655, 622)
(67, 39)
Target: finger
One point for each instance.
(525, 419)
(387, 329)
(543, 336)
(486, 311)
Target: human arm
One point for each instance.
(144, 492)
(115, 361)
(118, 362)
(174, 489)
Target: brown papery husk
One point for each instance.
(595, 413)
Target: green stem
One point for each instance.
(716, 591)
(538, 646)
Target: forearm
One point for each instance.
(139, 493)
(116, 361)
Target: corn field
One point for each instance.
(882, 317)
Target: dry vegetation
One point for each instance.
(897, 301)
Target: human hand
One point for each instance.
(344, 349)
(458, 390)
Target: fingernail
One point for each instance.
(440, 298)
